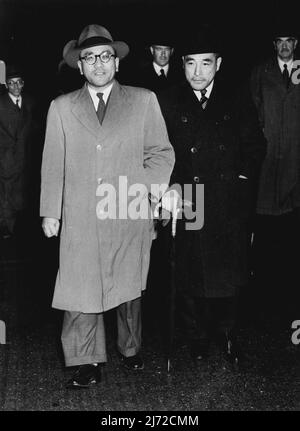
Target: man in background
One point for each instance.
(16, 135)
(276, 94)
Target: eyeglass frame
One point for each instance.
(98, 56)
(19, 82)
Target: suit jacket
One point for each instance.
(103, 262)
(214, 147)
(16, 129)
(279, 113)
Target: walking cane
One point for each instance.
(172, 289)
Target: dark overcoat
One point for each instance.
(17, 132)
(103, 261)
(214, 147)
(279, 115)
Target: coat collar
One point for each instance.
(85, 113)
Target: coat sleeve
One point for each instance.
(52, 173)
(159, 155)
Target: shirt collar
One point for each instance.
(208, 91)
(14, 98)
(282, 63)
(158, 68)
(93, 93)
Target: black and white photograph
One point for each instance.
(149, 209)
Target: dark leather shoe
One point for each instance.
(85, 376)
(199, 349)
(134, 363)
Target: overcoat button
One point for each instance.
(184, 119)
(194, 150)
(226, 117)
(222, 147)
(196, 179)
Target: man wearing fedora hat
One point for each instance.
(16, 139)
(218, 143)
(160, 71)
(276, 94)
(96, 138)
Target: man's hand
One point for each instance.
(50, 226)
(171, 202)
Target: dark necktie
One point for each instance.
(18, 103)
(286, 76)
(162, 74)
(203, 99)
(101, 108)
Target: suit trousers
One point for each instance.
(202, 317)
(83, 334)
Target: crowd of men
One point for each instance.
(174, 128)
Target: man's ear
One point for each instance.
(151, 50)
(117, 63)
(80, 67)
(296, 43)
(219, 61)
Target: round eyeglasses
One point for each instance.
(104, 57)
(11, 83)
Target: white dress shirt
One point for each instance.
(93, 93)
(158, 68)
(208, 91)
(14, 99)
(289, 65)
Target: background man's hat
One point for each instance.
(282, 29)
(13, 71)
(203, 42)
(92, 35)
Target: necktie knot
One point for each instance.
(203, 99)
(100, 108)
(162, 73)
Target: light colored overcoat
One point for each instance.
(103, 261)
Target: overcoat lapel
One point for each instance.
(85, 112)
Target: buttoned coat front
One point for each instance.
(214, 147)
(103, 261)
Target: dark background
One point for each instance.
(34, 32)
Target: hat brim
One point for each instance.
(71, 51)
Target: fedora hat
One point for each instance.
(13, 71)
(92, 35)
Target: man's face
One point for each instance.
(200, 69)
(161, 54)
(100, 74)
(285, 47)
(15, 86)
